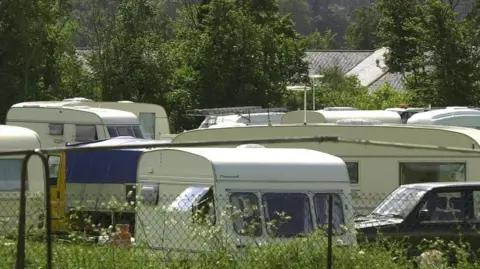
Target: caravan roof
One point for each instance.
(108, 116)
(333, 116)
(453, 116)
(18, 138)
(292, 163)
(452, 136)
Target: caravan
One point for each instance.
(153, 118)
(18, 138)
(261, 182)
(450, 116)
(57, 124)
(375, 170)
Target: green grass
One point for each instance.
(304, 253)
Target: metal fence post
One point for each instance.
(20, 263)
(48, 208)
(330, 232)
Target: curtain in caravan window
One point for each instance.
(10, 174)
(147, 121)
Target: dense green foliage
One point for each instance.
(309, 252)
(217, 53)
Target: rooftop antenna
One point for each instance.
(305, 89)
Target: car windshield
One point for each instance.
(399, 203)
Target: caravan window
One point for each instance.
(248, 222)
(133, 131)
(138, 132)
(85, 132)
(54, 165)
(125, 131)
(321, 209)
(55, 129)
(197, 200)
(431, 172)
(147, 121)
(187, 199)
(112, 131)
(10, 174)
(352, 168)
(287, 214)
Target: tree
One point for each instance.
(433, 49)
(396, 33)
(34, 36)
(317, 41)
(334, 18)
(300, 12)
(137, 73)
(337, 89)
(451, 69)
(242, 54)
(361, 32)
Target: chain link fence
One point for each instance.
(264, 216)
(189, 226)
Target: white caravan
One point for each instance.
(375, 170)
(153, 118)
(294, 181)
(57, 124)
(452, 116)
(333, 116)
(18, 138)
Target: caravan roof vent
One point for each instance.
(250, 146)
(77, 99)
(358, 122)
(125, 102)
(339, 108)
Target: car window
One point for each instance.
(447, 206)
(476, 205)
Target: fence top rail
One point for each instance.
(313, 139)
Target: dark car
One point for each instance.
(426, 211)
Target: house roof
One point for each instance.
(394, 79)
(344, 59)
(357, 62)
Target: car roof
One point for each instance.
(441, 185)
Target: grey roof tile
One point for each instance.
(344, 59)
(394, 79)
